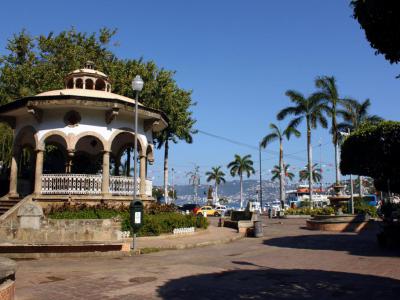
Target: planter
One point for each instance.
(338, 223)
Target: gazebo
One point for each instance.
(76, 144)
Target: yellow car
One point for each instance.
(208, 210)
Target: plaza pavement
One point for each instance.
(290, 262)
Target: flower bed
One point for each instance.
(158, 219)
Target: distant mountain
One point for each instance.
(231, 191)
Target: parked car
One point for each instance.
(221, 209)
(208, 210)
(191, 208)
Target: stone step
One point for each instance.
(6, 204)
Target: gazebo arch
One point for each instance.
(55, 133)
(141, 143)
(23, 162)
(56, 158)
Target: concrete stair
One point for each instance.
(7, 203)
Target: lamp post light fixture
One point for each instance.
(137, 86)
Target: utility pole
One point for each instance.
(172, 182)
(194, 179)
(259, 154)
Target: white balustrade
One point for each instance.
(71, 184)
(122, 185)
(87, 184)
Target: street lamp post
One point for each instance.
(137, 86)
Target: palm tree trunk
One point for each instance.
(360, 185)
(241, 191)
(337, 163)
(216, 193)
(166, 148)
(309, 152)
(281, 175)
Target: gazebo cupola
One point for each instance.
(88, 78)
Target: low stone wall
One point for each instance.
(63, 231)
(7, 278)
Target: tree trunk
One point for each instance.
(337, 163)
(309, 152)
(216, 193)
(281, 175)
(166, 148)
(241, 191)
(360, 185)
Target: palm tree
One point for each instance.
(217, 175)
(310, 109)
(238, 167)
(276, 172)
(355, 114)
(316, 174)
(278, 134)
(329, 92)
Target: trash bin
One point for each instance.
(258, 229)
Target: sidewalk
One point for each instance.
(211, 236)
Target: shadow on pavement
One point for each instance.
(280, 284)
(362, 244)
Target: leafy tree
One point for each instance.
(373, 150)
(316, 174)
(328, 90)
(278, 134)
(276, 172)
(238, 167)
(355, 114)
(311, 109)
(37, 64)
(380, 21)
(217, 175)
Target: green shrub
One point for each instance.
(165, 223)
(310, 211)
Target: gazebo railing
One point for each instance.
(71, 184)
(88, 184)
(122, 185)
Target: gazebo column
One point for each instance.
(13, 176)
(38, 171)
(105, 184)
(142, 175)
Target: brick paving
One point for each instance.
(290, 262)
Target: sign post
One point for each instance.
(136, 219)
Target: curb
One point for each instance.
(198, 245)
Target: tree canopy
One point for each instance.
(380, 21)
(373, 150)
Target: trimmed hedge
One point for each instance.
(310, 211)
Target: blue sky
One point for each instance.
(238, 57)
